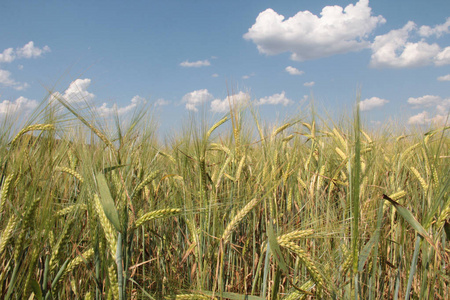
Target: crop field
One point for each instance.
(306, 209)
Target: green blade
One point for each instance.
(408, 216)
(107, 202)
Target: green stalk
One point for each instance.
(355, 172)
(119, 266)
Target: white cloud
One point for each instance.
(248, 76)
(27, 51)
(196, 98)
(77, 91)
(308, 36)
(161, 102)
(7, 55)
(311, 83)
(238, 99)
(20, 67)
(425, 101)
(215, 75)
(438, 115)
(444, 78)
(294, 71)
(393, 50)
(195, 64)
(275, 99)
(443, 57)
(21, 104)
(424, 118)
(437, 30)
(6, 80)
(371, 103)
(30, 51)
(105, 111)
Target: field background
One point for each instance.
(309, 208)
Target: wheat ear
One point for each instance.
(157, 214)
(242, 213)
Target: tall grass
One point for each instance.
(303, 210)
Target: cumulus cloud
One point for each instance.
(27, 51)
(196, 98)
(437, 30)
(424, 101)
(294, 71)
(30, 51)
(161, 102)
(394, 50)
(438, 109)
(424, 118)
(21, 105)
(311, 83)
(308, 36)
(105, 111)
(195, 64)
(238, 99)
(275, 99)
(215, 75)
(7, 81)
(7, 55)
(444, 78)
(248, 76)
(77, 91)
(371, 103)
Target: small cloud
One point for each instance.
(195, 64)
(238, 99)
(275, 99)
(196, 98)
(7, 81)
(77, 91)
(7, 55)
(424, 118)
(27, 51)
(20, 67)
(21, 104)
(106, 111)
(21, 87)
(304, 99)
(375, 123)
(444, 78)
(30, 51)
(311, 83)
(374, 102)
(215, 75)
(248, 76)
(437, 115)
(294, 71)
(161, 102)
(424, 101)
(437, 30)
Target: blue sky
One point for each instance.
(184, 57)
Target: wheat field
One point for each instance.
(306, 209)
